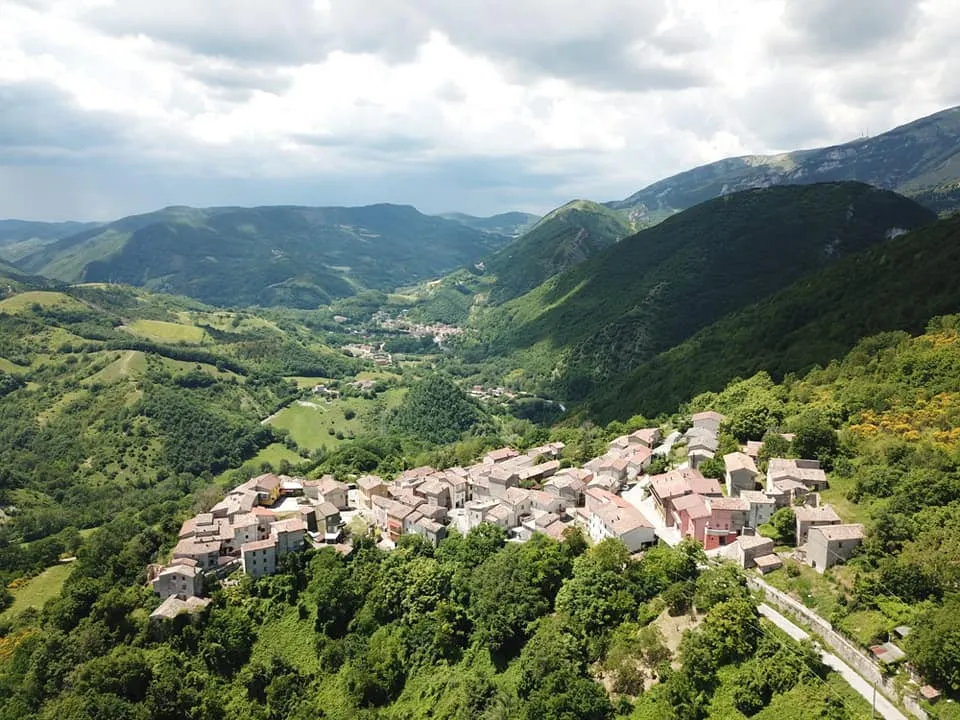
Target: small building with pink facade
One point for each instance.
(692, 516)
(728, 516)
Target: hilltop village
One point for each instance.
(611, 496)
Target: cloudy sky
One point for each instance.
(109, 107)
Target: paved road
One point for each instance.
(884, 707)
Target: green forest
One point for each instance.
(898, 285)
(476, 628)
(649, 292)
(817, 319)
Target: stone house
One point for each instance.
(183, 577)
(519, 500)
(478, 509)
(259, 558)
(495, 457)
(610, 516)
(708, 420)
(828, 545)
(539, 473)
(700, 447)
(548, 502)
(646, 437)
(808, 517)
(762, 507)
(740, 473)
(432, 531)
(327, 489)
(205, 554)
(567, 487)
(807, 472)
(397, 514)
(435, 492)
(246, 529)
(750, 547)
(308, 514)
(368, 487)
(236, 502)
(638, 460)
(289, 534)
(176, 604)
(459, 489)
(502, 515)
(501, 479)
(329, 522)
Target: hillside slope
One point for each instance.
(897, 285)
(563, 238)
(911, 159)
(558, 241)
(295, 256)
(19, 238)
(654, 289)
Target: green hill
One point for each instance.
(113, 398)
(19, 238)
(561, 239)
(651, 291)
(897, 285)
(294, 256)
(912, 159)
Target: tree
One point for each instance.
(228, 639)
(125, 673)
(783, 524)
(718, 584)
(332, 586)
(552, 675)
(435, 410)
(934, 645)
(732, 628)
(513, 588)
(774, 445)
(659, 464)
(815, 438)
(751, 421)
(679, 597)
(601, 593)
(713, 468)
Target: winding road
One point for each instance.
(885, 708)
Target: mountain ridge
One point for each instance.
(650, 291)
(912, 158)
(271, 255)
(898, 284)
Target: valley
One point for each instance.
(363, 463)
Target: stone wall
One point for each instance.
(865, 666)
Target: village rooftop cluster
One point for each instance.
(611, 496)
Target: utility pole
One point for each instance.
(873, 710)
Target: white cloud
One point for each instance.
(475, 105)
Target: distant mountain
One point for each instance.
(896, 285)
(649, 292)
(510, 224)
(19, 238)
(561, 239)
(296, 256)
(914, 159)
